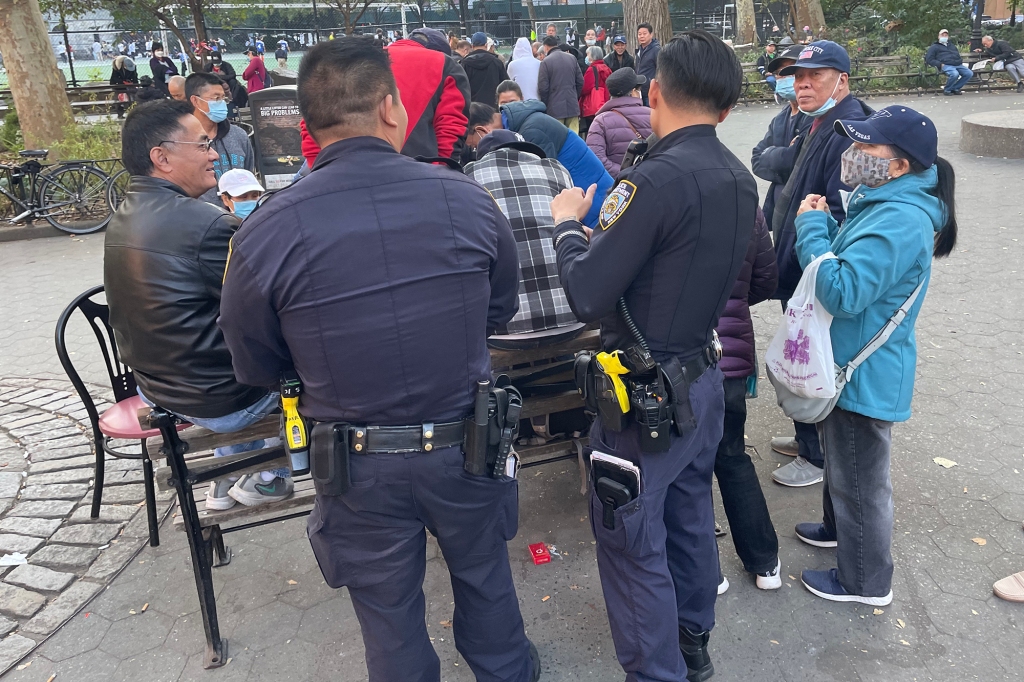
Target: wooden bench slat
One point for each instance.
(304, 495)
(201, 440)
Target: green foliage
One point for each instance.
(919, 21)
(10, 132)
(90, 141)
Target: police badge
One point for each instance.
(616, 203)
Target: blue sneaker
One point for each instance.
(825, 584)
(815, 534)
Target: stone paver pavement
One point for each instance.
(284, 623)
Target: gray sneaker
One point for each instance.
(251, 490)
(786, 445)
(796, 474)
(217, 497)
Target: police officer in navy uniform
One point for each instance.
(378, 278)
(671, 240)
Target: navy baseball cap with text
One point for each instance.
(896, 126)
(619, 39)
(821, 54)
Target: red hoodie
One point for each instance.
(435, 93)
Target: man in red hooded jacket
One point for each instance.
(435, 92)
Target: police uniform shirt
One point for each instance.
(672, 236)
(379, 277)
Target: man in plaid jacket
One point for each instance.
(523, 182)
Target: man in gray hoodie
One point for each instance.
(205, 92)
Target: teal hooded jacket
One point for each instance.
(883, 251)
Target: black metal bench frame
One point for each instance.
(206, 543)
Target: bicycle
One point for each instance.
(117, 188)
(70, 196)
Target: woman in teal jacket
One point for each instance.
(899, 216)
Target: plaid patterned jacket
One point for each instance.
(523, 185)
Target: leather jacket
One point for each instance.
(163, 265)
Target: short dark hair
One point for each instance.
(650, 29)
(509, 86)
(199, 80)
(699, 71)
(341, 82)
(145, 127)
(480, 114)
(550, 41)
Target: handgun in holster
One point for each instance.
(492, 430)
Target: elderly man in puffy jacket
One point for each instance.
(945, 57)
(621, 120)
(752, 530)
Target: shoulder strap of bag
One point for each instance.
(883, 334)
(626, 119)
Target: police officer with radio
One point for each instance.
(657, 272)
(377, 280)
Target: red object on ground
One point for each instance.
(540, 554)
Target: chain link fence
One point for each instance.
(86, 46)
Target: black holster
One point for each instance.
(487, 450)
(678, 385)
(329, 458)
(598, 392)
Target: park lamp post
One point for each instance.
(979, 10)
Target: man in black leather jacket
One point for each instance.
(163, 264)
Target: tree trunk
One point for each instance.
(809, 13)
(654, 12)
(745, 32)
(533, 13)
(39, 97)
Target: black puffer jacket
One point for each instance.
(163, 262)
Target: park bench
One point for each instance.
(99, 98)
(755, 87)
(883, 73)
(543, 373)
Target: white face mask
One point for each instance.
(943, 39)
(591, 41)
(159, 54)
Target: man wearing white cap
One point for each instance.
(240, 191)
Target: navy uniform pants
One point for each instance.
(659, 567)
(372, 540)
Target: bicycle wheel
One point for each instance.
(74, 199)
(117, 187)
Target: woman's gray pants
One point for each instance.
(857, 499)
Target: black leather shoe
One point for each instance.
(535, 659)
(695, 652)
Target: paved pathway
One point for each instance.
(284, 623)
(60, 556)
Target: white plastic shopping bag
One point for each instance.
(800, 355)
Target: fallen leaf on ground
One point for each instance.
(900, 624)
(446, 623)
(546, 597)
(944, 463)
(979, 541)
(292, 582)
(878, 612)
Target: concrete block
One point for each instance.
(23, 525)
(43, 509)
(17, 602)
(39, 579)
(65, 558)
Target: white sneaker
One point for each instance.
(217, 498)
(723, 586)
(771, 580)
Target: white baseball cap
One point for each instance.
(237, 182)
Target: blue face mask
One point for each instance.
(829, 103)
(784, 88)
(244, 208)
(218, 110)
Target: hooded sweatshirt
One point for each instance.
(884, 251)
(233, 151)
(485, 72)
(524, 67)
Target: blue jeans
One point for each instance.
(771, 84)
(957, 77)
(236, 421)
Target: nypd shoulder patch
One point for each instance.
(616, 203)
